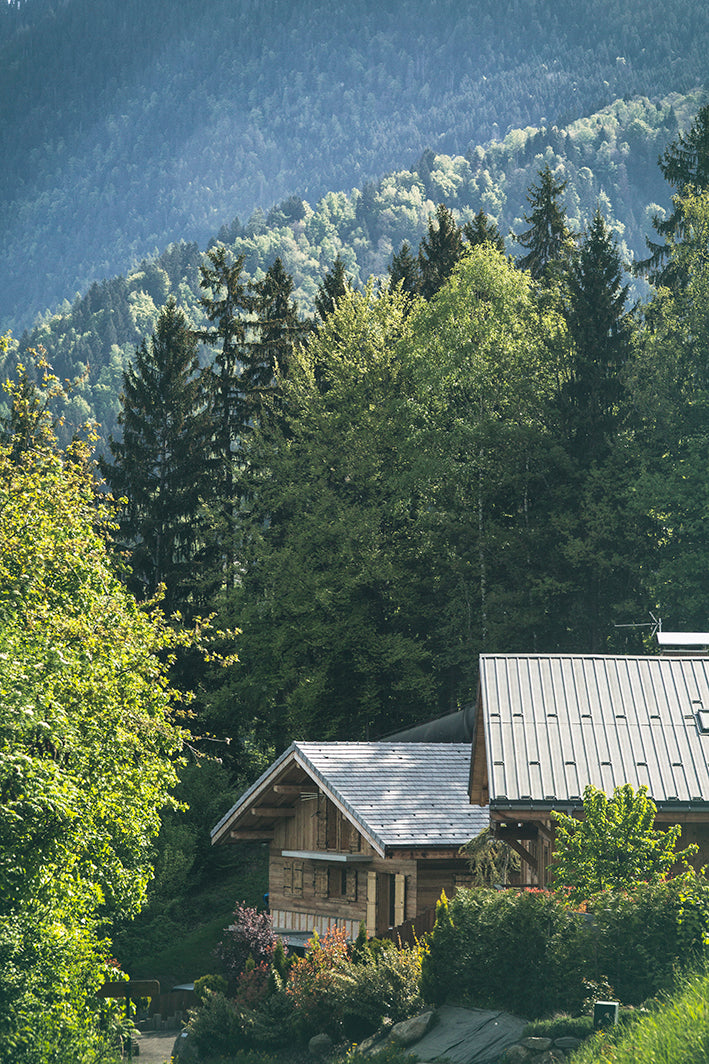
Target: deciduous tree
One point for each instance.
(615, 845)
(88, 745)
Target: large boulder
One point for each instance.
(320, 1046)
(185, 1050)
(409, 1032)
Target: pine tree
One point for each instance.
(599, 327)
(482, 231)
(684, 165)
(439, 251)
(549, 241)
(161, 465)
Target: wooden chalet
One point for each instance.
(358, 832)
(548, 725)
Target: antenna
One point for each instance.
(655, 624)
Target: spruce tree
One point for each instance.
(549, 241)
(482, 231)
(404, 270)
(276, 329)
(160, 467)
(685, 166)
(227, 303)
(439, 251)
(599, 327)
(332, 287)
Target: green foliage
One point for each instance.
(520, 951)
(489, 860)
(87, 746)
(560, 1026)
(209, 984)
(676, 1029)
(615, 845)
(217, 1026)
(530, 952)
(549, 241)
(390, 1054)
(160, 467)
(389, 985)
(608, 158)
(313, 982)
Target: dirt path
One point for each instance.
(155, 1047)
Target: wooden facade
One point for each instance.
(326, 867)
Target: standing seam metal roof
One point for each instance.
(555, 723)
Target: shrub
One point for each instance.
(252, 986)
(505, 949)
(217, 1026)
(207, 983)
(532, 953)
(644, 939)
(312, 985)
(251, 935)
(389, 985)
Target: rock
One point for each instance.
(568, 1043)
(371, 1042)
(537, 1045)
(184, 1050)
(320, 1046)
(515, 1054)
(551, 1056)
(408, 1032)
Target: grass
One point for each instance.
(676, 1032)
(562, 1026)
(177, 945)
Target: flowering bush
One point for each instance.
(385, 984)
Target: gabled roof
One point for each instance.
(398, 795)
(555, 723)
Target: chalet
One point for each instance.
(366, 831)
(548, 725)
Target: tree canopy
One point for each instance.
(88, 742)
(615, 845)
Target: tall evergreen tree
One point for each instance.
(685, 166)
(276, 329)
(332, 288)
(549, 241)
(161, 465)
(439, 251)
(482, 231)
(227, 303)
(599, 327)
(404, 270)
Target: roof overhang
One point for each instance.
(274, 795)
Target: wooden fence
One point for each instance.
(407, 933)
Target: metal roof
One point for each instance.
(555, 723)
(399, 795)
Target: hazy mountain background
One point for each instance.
(128, 124)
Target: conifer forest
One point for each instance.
(340, 348)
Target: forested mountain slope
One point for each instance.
(609, 158)
(127, 124)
